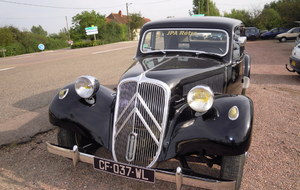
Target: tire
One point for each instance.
(283, 39)
(66, 138)
(232, 169)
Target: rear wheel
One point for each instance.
(283, 39)
(232, 169)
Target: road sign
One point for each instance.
(91, 30)
(41, 47)
(199, 15)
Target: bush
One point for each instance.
(14, 49)
(52, 43)
(82, 44)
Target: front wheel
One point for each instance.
(232, 169)
(67, 139)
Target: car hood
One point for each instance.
(180, 72)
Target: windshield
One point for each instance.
(189, 40)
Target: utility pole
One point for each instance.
(68, 29)
(207, 7)
(199, 7)
(128, 19)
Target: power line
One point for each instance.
(76, 8)
(54, 7)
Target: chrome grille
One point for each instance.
(141, 111)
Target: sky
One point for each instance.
(52, 14)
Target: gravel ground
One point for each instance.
(273, 161)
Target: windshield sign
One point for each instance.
(188, 40)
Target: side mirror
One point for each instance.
(242, 41)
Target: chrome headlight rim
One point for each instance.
(200, 107)
(86, 86)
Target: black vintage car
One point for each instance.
(182, 99)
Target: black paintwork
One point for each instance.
(93, 121)
(212, 133)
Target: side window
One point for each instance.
(236, 46)
(147, 42)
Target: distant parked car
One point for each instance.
(297, 39)
(261, 32)
(294, 65)
(273, 33)
(252, 33)
(289, 35)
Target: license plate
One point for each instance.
(124, 170)
(293, 63)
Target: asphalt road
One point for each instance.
(27, 88)
(29, 82)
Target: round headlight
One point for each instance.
(86, 86)
(200, 98)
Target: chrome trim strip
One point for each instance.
(131, 147)
(129, 103)
(147, 127)
(129, 115)
(159, 174)
(150, 113)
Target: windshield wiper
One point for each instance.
(206, 53)
(162, 51)
(155, 50)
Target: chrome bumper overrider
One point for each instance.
(178, 178)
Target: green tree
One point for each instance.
(62, 35)
(288, 11)
(243, 15)
(38, 30)
(6, 37)
(135, 21)
(268, 19)
(206, 7)
(83, 20)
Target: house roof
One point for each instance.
(121, 19)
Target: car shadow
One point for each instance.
(32, 122)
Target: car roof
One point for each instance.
(224, 23)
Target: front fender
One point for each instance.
(93, 121)
(215, 136)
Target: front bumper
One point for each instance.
(294, 64)
(178, 178)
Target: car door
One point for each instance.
(294, 33)
(235, 69)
